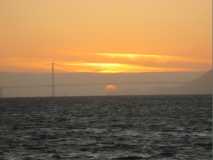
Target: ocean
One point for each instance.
(106, 128)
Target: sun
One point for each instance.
(111, 88)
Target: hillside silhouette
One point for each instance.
(201, 85)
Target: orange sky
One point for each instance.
(106, 36)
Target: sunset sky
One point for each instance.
(105, 36)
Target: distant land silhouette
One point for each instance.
(201, 85)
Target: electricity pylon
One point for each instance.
(53, 79)
(1, 92)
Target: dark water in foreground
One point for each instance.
(106, 128)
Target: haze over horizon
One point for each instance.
(96, 84)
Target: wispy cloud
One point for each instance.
(108, 62)
(115, 68)
(150, 56)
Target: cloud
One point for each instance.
(153, 57)
(157, 60)
(114, 68)
(107, 62)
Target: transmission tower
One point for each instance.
(53, 79)
(1, 92)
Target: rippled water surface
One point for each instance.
(106, 128)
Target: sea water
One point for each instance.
(106, 128)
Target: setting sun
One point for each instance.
(111, 88)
